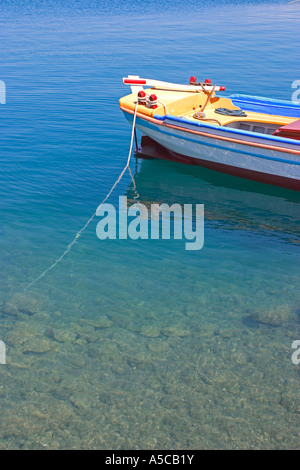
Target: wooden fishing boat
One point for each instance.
(247, 136)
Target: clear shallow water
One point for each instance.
(141, 344)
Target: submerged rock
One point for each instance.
(81, 401)
(158, 346)
(37, 345)
(88, 335)
(176, 330)
(290, 403)
(274, 316)
(206, 330)
(49, 333)
(64, 336)
(27, 338)
(101, 322)
(150, 331)
(10, 309)
(21, 303)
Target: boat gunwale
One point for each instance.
(230, 130)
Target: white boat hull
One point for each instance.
(248, 157)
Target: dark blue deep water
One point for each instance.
(141, 344)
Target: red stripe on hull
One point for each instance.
(152, 149)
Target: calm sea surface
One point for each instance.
(141, 344)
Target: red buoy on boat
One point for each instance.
(152, 101)
(142, 97)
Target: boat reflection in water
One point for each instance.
(230, 203)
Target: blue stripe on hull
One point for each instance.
(229, 130)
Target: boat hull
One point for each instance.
(151, 149)
(249, 157)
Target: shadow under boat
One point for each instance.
(229, 202)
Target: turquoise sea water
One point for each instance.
(141, 344)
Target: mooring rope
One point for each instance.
(78, 234)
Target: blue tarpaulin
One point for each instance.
(259, 104)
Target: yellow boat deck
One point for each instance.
(186, 104)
